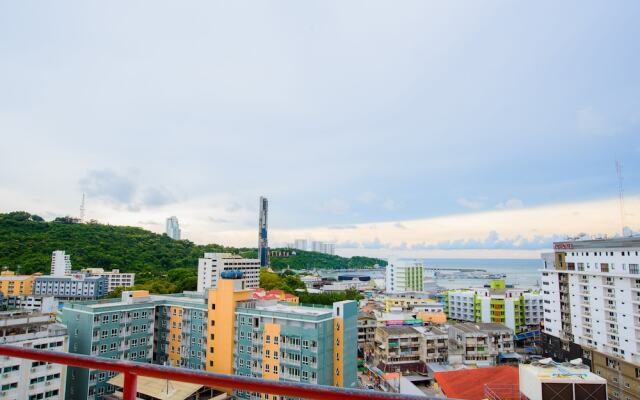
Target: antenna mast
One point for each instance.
(620, 194)
(82, 209)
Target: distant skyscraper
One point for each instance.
(60, 263)
(173, 228)
(263, 245)
(300, 244)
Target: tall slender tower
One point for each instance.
(263, 245)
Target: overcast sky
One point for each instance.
(353, 118)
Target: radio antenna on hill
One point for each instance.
(82, 209)
(620, 194)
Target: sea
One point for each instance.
(521, 273)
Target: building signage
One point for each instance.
(562, 245)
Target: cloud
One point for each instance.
(108, 185)
(157, 196)
(342, 227)
(510, 204)
(591, 122)
(348, 244)
(470, 203)
(493, 242)
(375, 244)
(367, 197)
(399, 225)
(389, 205)
(335, 206)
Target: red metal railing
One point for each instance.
(132, 370)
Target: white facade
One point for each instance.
(60, 263)
(115, 278)
(43, 304)
(27, 379)
(404, 277)
(173, 228)
(461, 305)
(300, 244)
(212, 264)
(599, 284)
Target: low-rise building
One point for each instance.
(398, 348)
(275, 294)
(44, 304)
(562, 382)
(73, 287)
(115, 278)
(27, 379)
(479, 343)
(434, 347)
(367, 325)
(14, 285)
(519, 309)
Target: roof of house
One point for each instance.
(160, 388)
(399, 330)
(469, 384)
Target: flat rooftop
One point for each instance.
(562, 373)
(622, 242)
(400, 330)
(301, 310)
(471, 327)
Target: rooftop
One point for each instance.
(564, 372)
(162, 389)
(471, 327)
(399, 330)
(622, 242)
(469, 384)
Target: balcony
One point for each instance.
(132, 370)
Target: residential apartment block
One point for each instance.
(398, 347)
(115, 278)
(479, 343)
(404, 277)
(213, 264)
(520, 310)
(591, 298)
(21, 378)
(44, 304)
(14, 285)
(73, 287)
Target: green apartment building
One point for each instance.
(518, 309)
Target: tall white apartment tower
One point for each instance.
(404, 277)
(213, 264)
(60, 263)
(173, 228)
(591, 300)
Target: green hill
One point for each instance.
(27, 241)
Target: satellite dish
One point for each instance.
(577, 361)
(546, 361)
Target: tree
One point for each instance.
(37, 218)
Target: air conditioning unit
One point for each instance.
(31, 387)
(33, 370)
(5, 375)
(49, 366)
(48, 383)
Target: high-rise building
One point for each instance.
(300, 244)
(519, 309)
(404, 277)
(213, 264)
(591, 299)
(60, 263)
(115, 278)
(165, 330)
(22, 378)
(173, 228)
(263, 244)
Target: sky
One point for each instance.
(449, 129)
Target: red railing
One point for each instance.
(132, 370)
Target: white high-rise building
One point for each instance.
(591, 299)
(404, 277)
(60, 263)
(300, 244)
(173, 228)
(213, 264)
